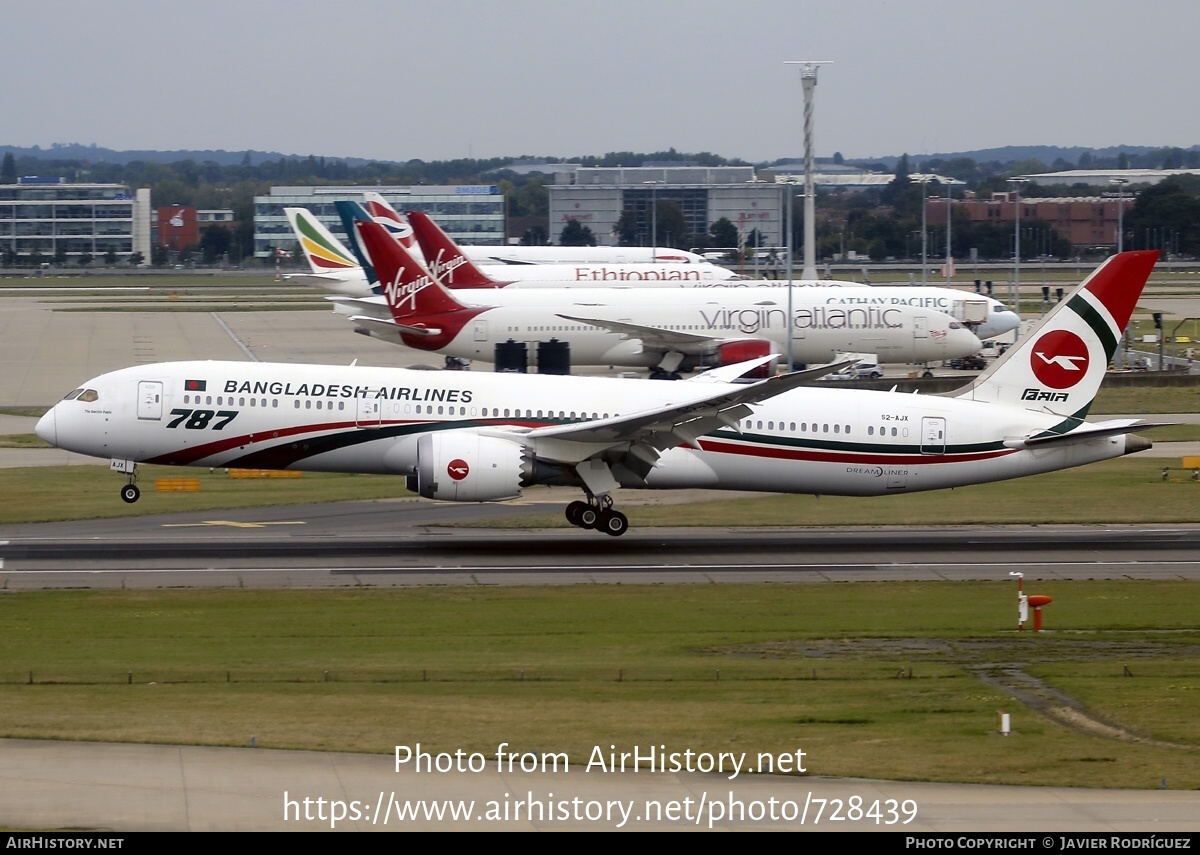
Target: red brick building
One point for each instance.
(1081, 220)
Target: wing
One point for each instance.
(633, 442)
(654, 338)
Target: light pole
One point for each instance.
(808, 79)
(949, 256)
(1016, 293)
(1120, 184)
(924, 181)
(789, 182)
(653, 219)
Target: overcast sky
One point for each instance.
(441, 79)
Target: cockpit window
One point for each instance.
(955, 325)
(89, 395)
(72, 395)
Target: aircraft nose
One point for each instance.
(47, 428)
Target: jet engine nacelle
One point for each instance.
(732, 352)
(463, 466)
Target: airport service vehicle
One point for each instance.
(476, 437)
(666, 331)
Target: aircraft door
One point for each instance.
(150, 395)
(920, 326)
(481, 333)
(933, 435)
(370, 412)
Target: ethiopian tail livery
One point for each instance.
(475, 437)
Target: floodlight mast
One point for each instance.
(808, 79)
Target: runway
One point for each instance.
(340, 544)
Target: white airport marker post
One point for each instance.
(1022, 601)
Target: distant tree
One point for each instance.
(1122, 161)
(8, 171)
(670, 227)
(136, 259)
(535, 236)
(85, 258)
(574, 233)
(627, 228)
(838, 159)
(215, 242)
(60, 255)
(110, 258)
(723, 233)
(9, 257)
(160, 256)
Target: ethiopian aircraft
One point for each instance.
(666, 331)
(475, 437)
(336, 268)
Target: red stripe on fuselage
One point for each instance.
(821, 456)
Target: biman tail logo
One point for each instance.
(1059, 359)
(458, 469)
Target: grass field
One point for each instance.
(1126, 490)
(891, 681)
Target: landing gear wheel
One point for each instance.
(588, 517)
(574, 510)
(927, 373)
(130, 493)
(613, 523)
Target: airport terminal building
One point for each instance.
(597, 196)
(44, 219)
(470, 214)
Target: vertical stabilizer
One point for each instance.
(1059, 365)
(325, 253)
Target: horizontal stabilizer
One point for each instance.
(1089, 430)
(389, 326)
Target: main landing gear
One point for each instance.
(598, 514)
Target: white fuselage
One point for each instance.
(703, 319)
(581, 255)
(358, 419)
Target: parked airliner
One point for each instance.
(667, 331)
(474, 437)
(336, 268)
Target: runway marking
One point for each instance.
(236, 340)
(615, 568)
(232, 524)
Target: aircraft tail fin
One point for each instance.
(444, 257)
(1059, 365)
(325, 253)
(383, 213)
(411, 291)
(349, 212)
